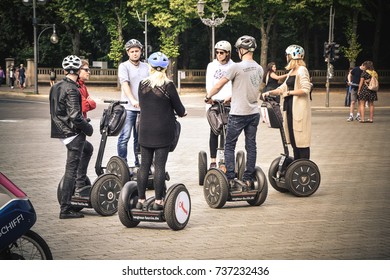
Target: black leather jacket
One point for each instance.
(65, 110)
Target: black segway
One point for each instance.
(300, 177)
(176, 212)
(103, 194)
(217, 116)
(118, 166)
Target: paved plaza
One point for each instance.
(347, 218)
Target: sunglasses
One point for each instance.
(86, 69)
(217, 52)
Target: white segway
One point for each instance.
(176, 212)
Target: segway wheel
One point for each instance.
(215, 188)
(202, 166)
(59, 188)
(280, 186)
(105, 193)
(127, 201)
(261, 185)
(118, 166)
(303, 177)
(240, 164)
(177, 209)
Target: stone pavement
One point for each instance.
(347, 218)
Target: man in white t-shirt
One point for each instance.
(130, 74)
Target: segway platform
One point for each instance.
(176, 212)
(217, 192)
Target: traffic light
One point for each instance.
(330, 71)
(327, 50)
(335, 52)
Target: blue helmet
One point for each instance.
(158, 60)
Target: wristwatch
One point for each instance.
(206, 98)
(288, 93)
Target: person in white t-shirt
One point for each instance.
(215, 71)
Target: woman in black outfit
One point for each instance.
(158, 100)
(271, 79)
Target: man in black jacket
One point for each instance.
(69, 125)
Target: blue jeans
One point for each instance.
(123, 140)
(236, 124)
(74, 155)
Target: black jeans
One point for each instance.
(160, 160)
(83, 165)
(74, 155)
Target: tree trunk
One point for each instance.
(376, 43)
(76, 42)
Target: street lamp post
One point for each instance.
(35, 23)
(53, 37)
(145, 21)
(213, 22)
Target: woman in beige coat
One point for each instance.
(296, 102)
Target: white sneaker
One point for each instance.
(350, 119)
(357, 118)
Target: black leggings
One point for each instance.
(298, 152)
(160, 160)
(213, 143)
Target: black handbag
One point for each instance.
(177, 136)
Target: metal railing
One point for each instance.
(198, 76)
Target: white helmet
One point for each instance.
(133, 43)
(71, 63)
(296, 52)
(223, 45)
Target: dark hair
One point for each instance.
(368, 64)
(268, 70)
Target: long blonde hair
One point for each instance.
(295, 63)
(156, 78)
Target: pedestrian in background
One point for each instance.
(11, 75)
(130, 74)
(53, 77)
(354, 81)
(271, 79)
(347, 101)
(364, 93)
(159, 101)
(69, 125)
(214, 72)
(296, 102)
(22, 77)
(2, 76)
(246, 77)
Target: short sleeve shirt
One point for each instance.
(129, 73)
(246, 77)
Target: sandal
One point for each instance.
(370, 121)
(362, 121)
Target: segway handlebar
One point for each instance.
(115, 101)
(270, 98)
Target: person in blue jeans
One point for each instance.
(130, 74)
(246, 77)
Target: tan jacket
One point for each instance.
(301, 109)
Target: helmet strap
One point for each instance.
(242, 54)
